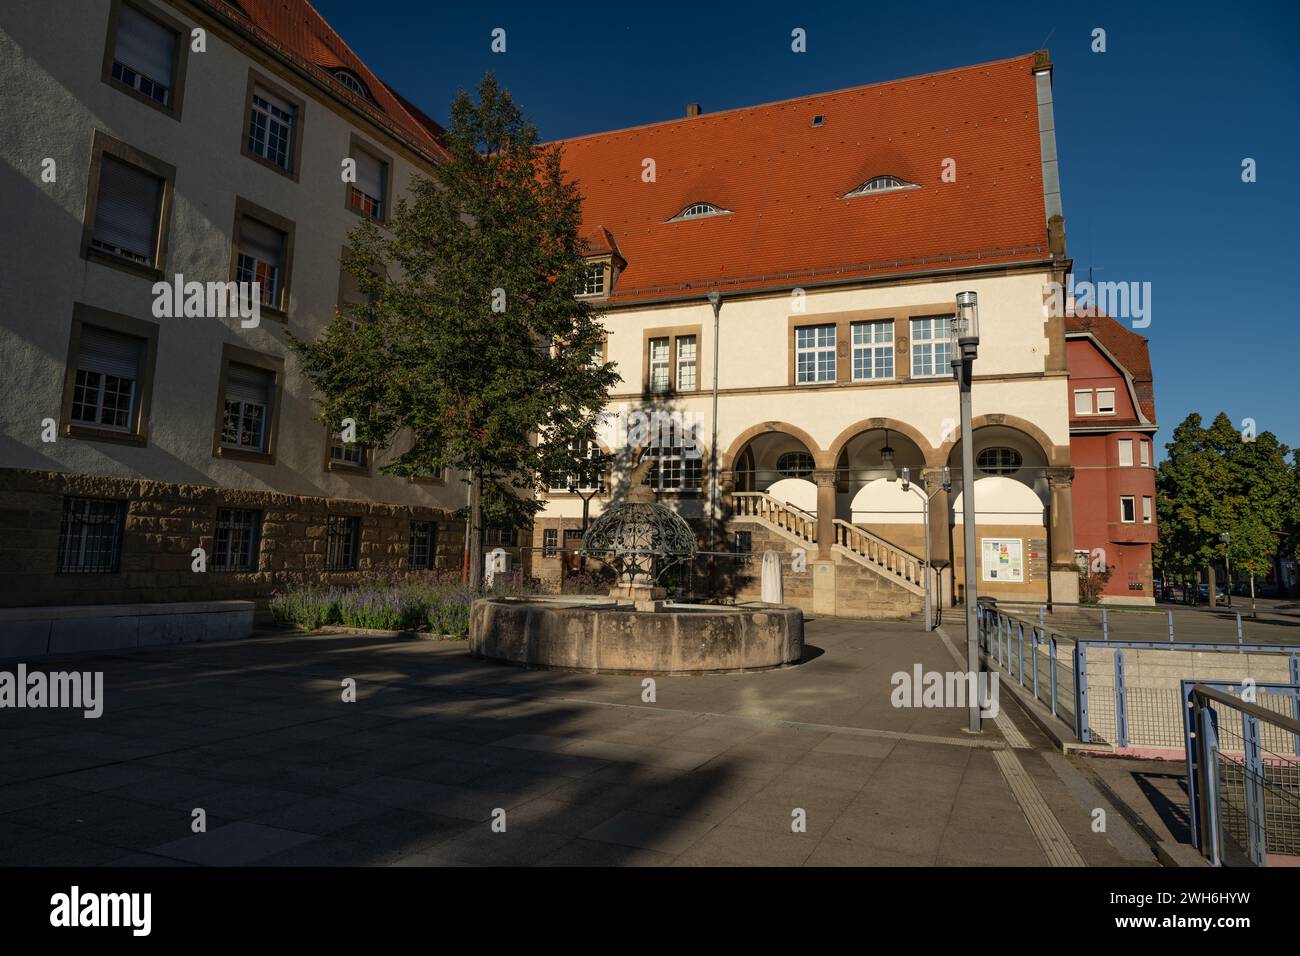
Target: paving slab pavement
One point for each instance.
(807, 765)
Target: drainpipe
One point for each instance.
(715, 300)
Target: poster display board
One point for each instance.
(1002, 559)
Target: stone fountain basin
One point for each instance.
(601, 635)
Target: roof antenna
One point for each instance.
(1043, 45)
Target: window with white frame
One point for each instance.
(261, 259)
(104, 391)
(270, 128)
(1127, 505)
(814, 350)
(594, 280)
(686, 363)
(659, 371)
(1144, 450)
(1083, 401)
(347, 453)
(1125, 452)
(127, 211)
(932, 344)
(235, 541)
(144, 55)
(550, 542)
(246, 423)
(366, 195)
(699, 210)
(350, 81)
(881, 184)
(675, 467)
(587, 478)
(873, 350)
(1146, 509)
(1105, 401)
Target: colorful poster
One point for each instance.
(1003, 559)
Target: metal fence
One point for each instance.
(1098, 690)
(1243, 771)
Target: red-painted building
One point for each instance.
(1112, 427)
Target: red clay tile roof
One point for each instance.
(295, 31)
(1128, 348)
(784, 181)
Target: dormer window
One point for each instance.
(881, 184)
(596, 279)
(699, 210)
(351, 81)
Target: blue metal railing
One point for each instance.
(1243, 785)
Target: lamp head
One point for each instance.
(715, 299)
(906, 475)
(947, 478)
(966, 320)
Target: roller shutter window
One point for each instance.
(144, 55)
(246, 424)
(107, 373)
(127, 211)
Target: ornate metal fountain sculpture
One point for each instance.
(641, 539)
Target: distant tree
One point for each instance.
(1214, 481)
(473, 352)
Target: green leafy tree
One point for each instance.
(1215, 481)
(472, 352)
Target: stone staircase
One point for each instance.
(873, 577)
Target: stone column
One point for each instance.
(825, 512)
(1064, 573)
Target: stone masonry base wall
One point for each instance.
(165, 522)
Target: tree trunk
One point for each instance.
(1213, 592)
(476, 531)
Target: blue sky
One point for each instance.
(1151, 133)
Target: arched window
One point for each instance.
(699, 210)
(349, 80)
(795, 464)
(882, 184)
(999, 461)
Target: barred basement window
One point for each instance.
(420, 553)
(498, 537)
(90, 536)
(550, 541)
(342, 541)
(235, 544)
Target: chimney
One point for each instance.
(693, 109)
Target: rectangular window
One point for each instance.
(367, 194)
(550, 541)
(342, 542)
(246, 423)
(659, 365)
(594, 283)
(498, 537)
(1126, 453)
(127, 212)
(1144, 448)
(814, 351)
(873, 350)
(271, 128)
(235, 543)
(744, 542)
(144, 55)
(261, 259)
(1126, 509)
(932, 344)
(347, 453)
(421, 549)
(1146, 509)
(675, 467)
(1083, 401)
(686, 363)
(585, 479)
(90, 536)
(1105, 401)
(104, 391)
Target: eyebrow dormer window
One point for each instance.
(882, 184)
(699, 210)
(349, 80)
